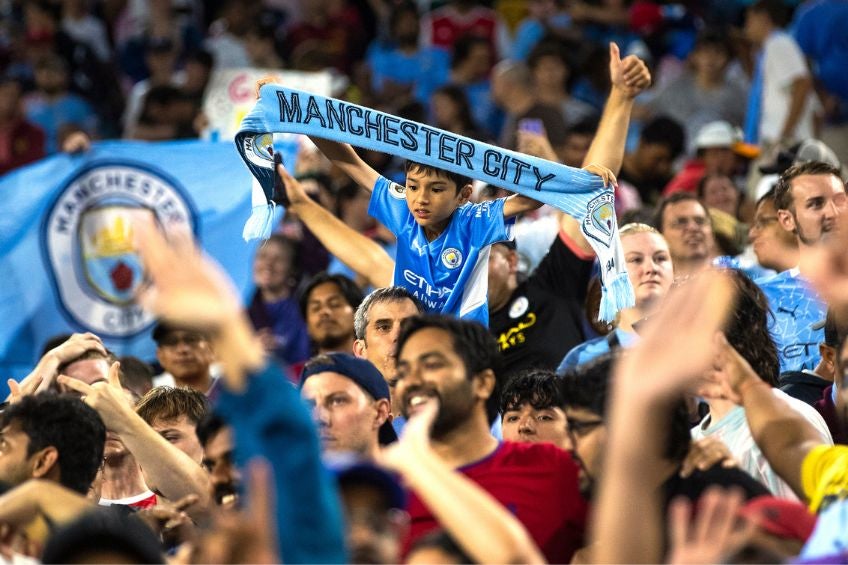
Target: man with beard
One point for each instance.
(50, 437)
(458, 363)
(327, 304)
(686, 226)
(216, 438)
(809, 199)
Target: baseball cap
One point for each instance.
(803, 152)
(364, 374)
(723, 134)
(350, 469)
(162, 329)
(780, 517)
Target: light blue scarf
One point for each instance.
(574, 191)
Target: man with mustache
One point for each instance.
(328, 303)
(458, 363)
(809, 199)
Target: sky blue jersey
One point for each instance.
(795, 307)
(450, 274)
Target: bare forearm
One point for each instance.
(362, 254)
(518, 204)
(633, 463)
(168, 470)
(470, 514)
(782, 433)
(607, 147)
(344, 157)
(800, 90)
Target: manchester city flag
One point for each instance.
(67, 253)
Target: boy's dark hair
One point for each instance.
(587, 386)
(168, 403)
(459, 180)
(664, 131)
(783, 188)
(442, 541)
(673, 199)
(538, 387)
(471, 342)
(209, 426)
(348, 288)
(69, 425)
(747, 328)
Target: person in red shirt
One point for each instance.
(458, 363)
(20, 141)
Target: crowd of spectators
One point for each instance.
(341, 413)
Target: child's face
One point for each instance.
(432, 198)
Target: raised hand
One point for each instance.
(603, 172)
(294, 190)
(629, 75)
(678, 345)
(713, 534)
(536, 144)
(188, 288)
(414, 441)
(704, 453)
(107, 398)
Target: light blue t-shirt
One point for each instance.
(449, 275)
(796, 308)
(831, 534)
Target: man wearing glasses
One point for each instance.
(186, 355)
(687, 228)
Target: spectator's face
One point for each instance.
(550, 72)
(429, 368)
(329, 317)
(817, 202)
(347, 417)
(654, 160)
(185, 354)
(432, 198)
(757, 26)
(709, 60)
(272, 266)
(479, 61)
(588, 436)
(576, 148)
(686, 227)
(381, 333)
(406, 29)
(181, 433)
(10, 99)
(89, 371)
(374, 532)
(51, 79)
(445, 110)
(531, 425)
(719, 193)
(720, 160)
(223, 473)
(770, 241)
(649, 266)
(15, 465)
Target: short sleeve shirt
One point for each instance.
(796, 309)
(450, 274)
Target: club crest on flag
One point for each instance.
(89, 242)
(599, 222)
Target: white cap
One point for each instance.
(718, 134)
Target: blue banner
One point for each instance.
(67, 256)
